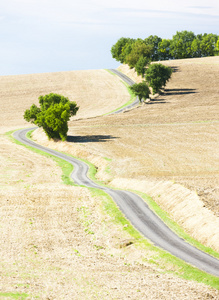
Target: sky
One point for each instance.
(40, 36)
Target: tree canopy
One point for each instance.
(138, 51)
(184, 44)
(121, 49)
(157, 76)
(141, 90)
(54, 113)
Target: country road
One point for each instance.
(129, 82)
(137, 212)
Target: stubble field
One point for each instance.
(57, 241)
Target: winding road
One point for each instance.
(129, 82)
(137, 212)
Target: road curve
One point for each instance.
(137, 212)
(130, 82)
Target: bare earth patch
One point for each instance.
(57, 242)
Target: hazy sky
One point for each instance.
(60, 35)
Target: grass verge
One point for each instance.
(66, 167)
(17, 296)
(174, 226)
(132, 95)
(166, 261)
(160, 257)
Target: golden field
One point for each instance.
(57, 241)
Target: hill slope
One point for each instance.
(96, 92)
(57, 241)
(173, 138)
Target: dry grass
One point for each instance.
(57, 243)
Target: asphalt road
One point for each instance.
(137, 212)
(129, 82)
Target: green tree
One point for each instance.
(157, 76)
(141, 64)
(126, 50)
(217, 47)
(53, 115)
(208, 44)
(180, 46)
(121, 49)
(153, 41)
(195, 48)
(141, 90)
(164, 49)
(139, 49)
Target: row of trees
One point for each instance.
(156, 77)
(138, 53)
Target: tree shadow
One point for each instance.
(89, 138)
(179, 91)
(170, 92)
(175, 69)
(156, 101)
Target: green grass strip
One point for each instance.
(161, 257)
(17, 296)
(174, 226)
(166, 261)
(112, 73)
(132, 95)
(65, 166)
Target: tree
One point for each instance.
(141, 90)
(180, 46)
(157, 76)
(164, 49)
(195, 48)
(140, 66)
(139, 49)
(118, 49)
(126, 49)
(54, 113)
(217, 47)
(208, 44)
(153, 41)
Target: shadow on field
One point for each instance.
(171, 92)
(89, 138)
(179, 91)
(175, 69)
(156, 101)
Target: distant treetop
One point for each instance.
(184, 44)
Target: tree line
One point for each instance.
(184, 44)
(139, 53)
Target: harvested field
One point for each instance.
(57, 241)
(174, 137)
(19, 92)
